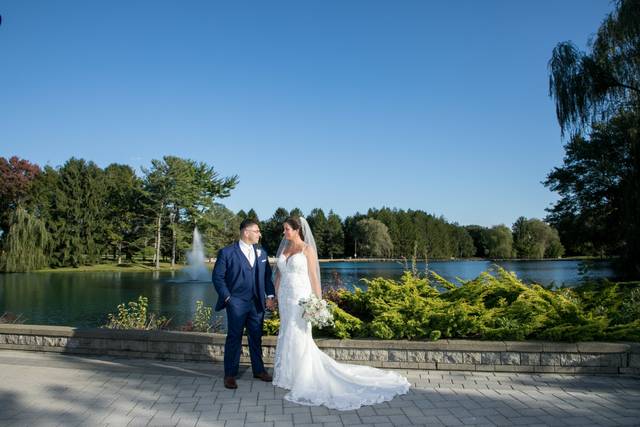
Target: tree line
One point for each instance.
(80, 214)
(398, 233)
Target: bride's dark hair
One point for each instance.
(294, 222)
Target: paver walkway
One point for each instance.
(38, 389)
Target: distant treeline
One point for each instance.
(396, 233)
(80, 214)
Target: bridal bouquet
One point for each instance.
(316, 311)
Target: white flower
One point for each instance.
(316, 311)
(258, 252)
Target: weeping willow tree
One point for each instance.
(592, 89)
(27, 243)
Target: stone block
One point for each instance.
(130, 345)
(473, 358)
(458, 367)
(55, 342)
(451, 357)
(186, 348)
(510, 358)
(73, 343)
(550, 359)
(416, 356)
(592, 360)
(214, 350)
(544, 369)
(490, 358)
(380, 355)
(524, 346)
(427, 365)
(569, 359)
(512, 368)
(391, 364)
(158, 346)
(397, 355)
(348, 354)
(602, 347)
(435, 356)
(530, 359)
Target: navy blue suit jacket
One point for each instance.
(232, 275)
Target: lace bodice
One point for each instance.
(294, 278)
(295, 263)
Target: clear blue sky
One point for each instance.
(344, 105)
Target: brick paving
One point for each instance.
(47, 389)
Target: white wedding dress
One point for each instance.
(312, 377)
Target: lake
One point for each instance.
(84, 299)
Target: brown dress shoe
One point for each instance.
(264, 376)
(230, 382)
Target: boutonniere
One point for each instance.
(258, 252)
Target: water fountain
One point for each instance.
(196, 270)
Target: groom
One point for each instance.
(242, 278)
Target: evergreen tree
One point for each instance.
(335, 236)
(124, 222)
(318, 223)
(272, 230)
(78, 214)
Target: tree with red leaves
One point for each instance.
(16, 178)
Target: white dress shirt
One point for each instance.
(248, 252)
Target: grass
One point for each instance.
(113, 267)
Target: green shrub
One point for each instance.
(134, 315)
(271, 324)
(494, 305)
(202, 319)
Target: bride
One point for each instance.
(312, 377)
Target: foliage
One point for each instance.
(319, 226)
(497, 242)
(124, 221)
(76, 213)
(26, 246)
(597, 93)
(373, 239)
(532, 238)
(334, 238)
(134, 315)
(181, 190)
(495, 305)
(202, 319)
(16, 178)
(271, 324)
(272, 230)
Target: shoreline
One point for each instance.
(166, 267)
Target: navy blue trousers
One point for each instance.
(241, 314)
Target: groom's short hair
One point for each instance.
(247, 222)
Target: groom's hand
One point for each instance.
(271, 304)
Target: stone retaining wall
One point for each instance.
(467, 355)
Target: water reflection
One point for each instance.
(84, 299)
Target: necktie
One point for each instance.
(250, 256)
